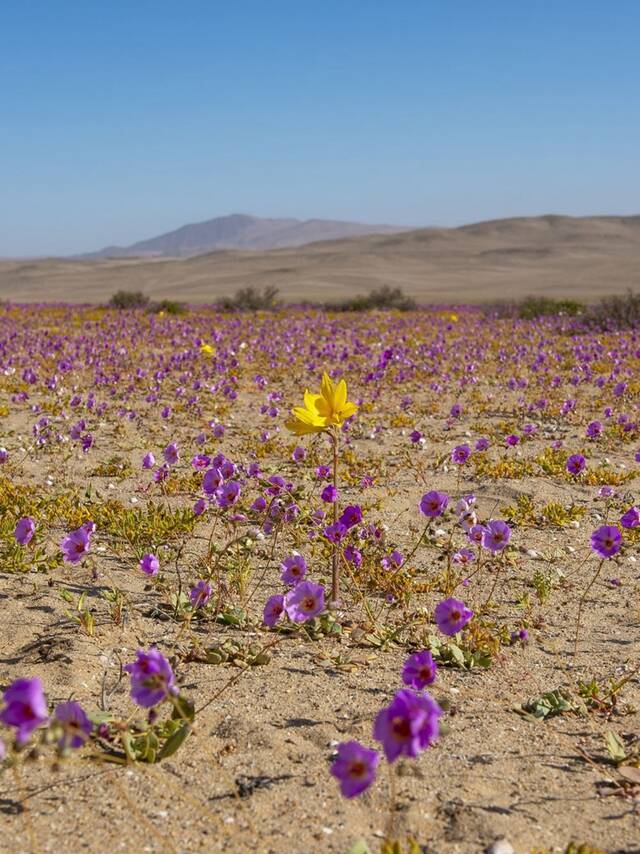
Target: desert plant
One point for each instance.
(621, 311)
(128, 300)
(384, 297)
(250, 299)
(168, 306)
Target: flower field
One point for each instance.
(300, 581)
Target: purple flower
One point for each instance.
(433, 504)
(576, 464)
(594, 429)
(351, 516)
(76, 544)
(200, 594)
(408, 725)
(452, 616)
(273, 610)
(228, 494)
(419, 670)
(24, 531)
(304, 601)
(355, 767)
(455, 411)
(329, 494)
(212, 480)
(461, 454)
(482, 444)
(25, 707)
(335, 533)
(464, 556)
(631, 519)
(415, 436)
(353, 555)
(392, 561)
(496, 535)
(294, 569)
(171, 454)
(512, 440)
(151, 678)
(298, 454)
(150, 565)
(199, 507)
(476, 533)
(200, 462)
(606, 540)
(76, 726)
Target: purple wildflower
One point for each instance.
(408, 725)
(452, 616)
(150, 565)
(200, 594)
(25, 707)
(24, 531)
(606, 540)
(355, 767)
(76, 726)
(496, 535)
(273, 610)
(151, 678)
(419, 670)
(433, 504)
(294, 569)
(304, 601)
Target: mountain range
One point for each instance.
(580, 257)
(240, 231)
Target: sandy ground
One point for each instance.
(254, 775)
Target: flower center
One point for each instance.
(400, 727)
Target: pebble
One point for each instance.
(500, 846)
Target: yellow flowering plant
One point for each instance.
(325, 413)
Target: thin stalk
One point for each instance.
(581, 603)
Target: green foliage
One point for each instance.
(620, 311)
(251, 299)
(532, 307)
(125, 300)
(168, 306)
(560, 701)
(378, 299)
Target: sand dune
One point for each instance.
(553, 255)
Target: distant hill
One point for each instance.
(240, 231)
(583, 258)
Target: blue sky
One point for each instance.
(120, 120)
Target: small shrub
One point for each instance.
(531, 307)
(250, 299)
(380, 298)
(168, 306)
(129, 300)
(621, 311)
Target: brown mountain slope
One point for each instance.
(559, 256)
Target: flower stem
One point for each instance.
(581, 603)
(335, 569)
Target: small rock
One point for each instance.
(500, 846)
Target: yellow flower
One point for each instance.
(206, 349)
(321, 411)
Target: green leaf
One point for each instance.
(615, 747)
(183, 709)
(360, 847)
(174, 742)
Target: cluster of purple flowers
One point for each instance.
(406, 727)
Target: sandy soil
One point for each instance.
(254, 774)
